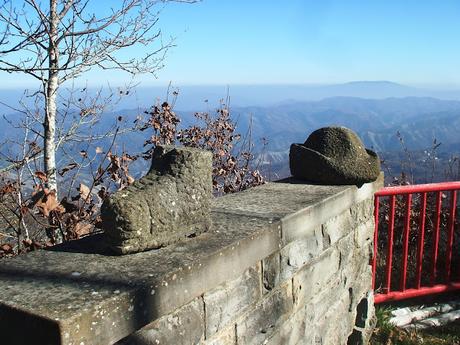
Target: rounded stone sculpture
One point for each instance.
(168, 204)
(334, 156)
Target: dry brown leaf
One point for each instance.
(48, 203)
(41, 175)
(68, 167)
(82, 229)
(7, 248)
(84, 191)
(7, 189)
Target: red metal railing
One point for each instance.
(400, 200)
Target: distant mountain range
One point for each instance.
(388, 109)
(203, 97)
(419, 121)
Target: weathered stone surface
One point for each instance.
(272, 311)
(303, 223)
(322, 301)
(226, 302)
(184, 326)
(362, 211)
(311, 278)
(353, 261)
(364, 236)
(337, 227)
(334, 155)
(91, 295)
(339, 316)
(79, 293)
(170, 203)
(300, 252)
(226, 336)
(295, 330)
(271, 271)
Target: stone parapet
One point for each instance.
(283, 263)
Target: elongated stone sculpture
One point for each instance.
(168, 204)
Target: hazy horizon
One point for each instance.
(302, 42)
(200, 97)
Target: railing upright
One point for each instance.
(450, 237)
(421, 241)
(434, 255)
(402, 285)
(391, 227)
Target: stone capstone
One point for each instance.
(170, 203)
(334, 155)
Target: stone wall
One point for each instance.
(284, 263)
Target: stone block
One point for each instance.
(271, 312)
(168, 204)
(362, 211)
(271, 269)
(337, 227)
(228, 301)
(334, 327)
(184, 326)
(226, 336)
(300, 252)
(295, 330)
(354, 263)
(364, 234)
(303, 222)
(312, 278)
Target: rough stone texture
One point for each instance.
(337, 227)
(271, 266)
(170, 203)
(300, 252)
(312, 278)
(226, 302)
(334, 155)
(184, 326)
(295, 330)
(253, 277)
(225, 337)
(266, 316)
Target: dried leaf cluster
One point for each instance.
(233, 161)
(37, 218)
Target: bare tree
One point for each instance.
(59, 40)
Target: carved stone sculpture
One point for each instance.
(168, 204)
(334, 155)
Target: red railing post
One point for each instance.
(402, 284)
(421, 241)
(437, 222)
(391, 225)
(450, 236)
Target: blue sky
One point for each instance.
(308, 42)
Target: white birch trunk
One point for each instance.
(50, 100)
